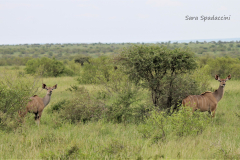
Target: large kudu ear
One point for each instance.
(228, 77)
(44, 86)
(217, 77)
(55, 86)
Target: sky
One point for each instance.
(115, 21)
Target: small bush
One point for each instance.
(96, 70)
(14, 93)
(81, 109)
(59, 105)
(47, 67)
(223, 66)
(160, 126)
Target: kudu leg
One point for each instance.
(213, 110)
(39, 117)
(37, 120)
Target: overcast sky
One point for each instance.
(79, 21)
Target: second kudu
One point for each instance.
(37, 104)
(207, 101)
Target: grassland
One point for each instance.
(55, 139)
(19, 54)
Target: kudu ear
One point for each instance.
(228, 77)
(44, 86)
(217, 77)
(55, 86)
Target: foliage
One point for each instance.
(14, 92)
(48, 67)
(81, 59)
(160, 126)
(13, 60)
(116, 100)
(75, 67)
(201, 77)
(106, 140)
(98, 68)
(18, 54)
(223, 66)
(59, 105)
(157, 68)
(81, 109)
(122, 100)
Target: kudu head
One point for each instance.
(223, 81)
(49, 89)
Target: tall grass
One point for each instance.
(55, 139)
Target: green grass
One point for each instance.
(54, 139)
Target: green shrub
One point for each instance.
(81, 109)
(223, 66)
(123, 106)
(161, 126)
(59, 105)
(116, 100)
(96, 70)
(159, 69)
(47, 67)
(201, 77)
(14, 92)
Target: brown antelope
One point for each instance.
(37, 104)
(207, 101)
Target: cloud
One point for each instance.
(88, 6)
(17, 5)
(163, 3)
(112, 17)
(222, 8)
(88, 15)
(79, 0)
(142, 16)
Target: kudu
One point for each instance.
(207, 101)
(37, 104)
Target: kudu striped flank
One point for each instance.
(207, 101)
(37, 104)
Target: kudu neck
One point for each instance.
(218, 94)
(46, 99)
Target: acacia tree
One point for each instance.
(159, 69)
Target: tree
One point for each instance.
(82, 59)
(159, 69)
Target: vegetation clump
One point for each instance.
(160, 70)
(47, 67)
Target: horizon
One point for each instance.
(171, 41)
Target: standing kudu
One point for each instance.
(37, 104)
(207, 101)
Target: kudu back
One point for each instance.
(37, 104)
(207, 101)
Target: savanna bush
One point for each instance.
(124, 105)
(161, 126)
(81, 109)
(123, 100)
(114, 100)
(161, 70)
(74, 66)
(95, 69)
(14, 92)
(223, 66)
(201, 77)
(47, 67)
